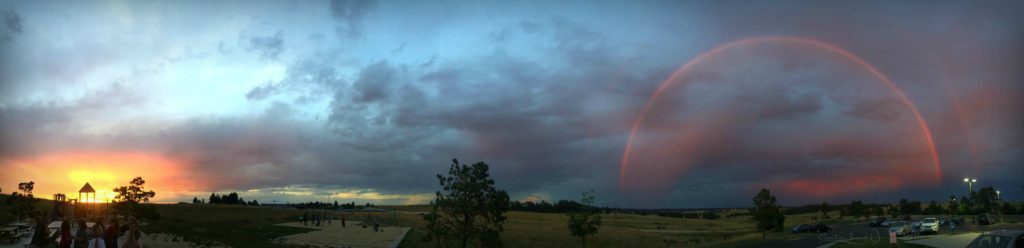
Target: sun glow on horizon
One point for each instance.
(68, 172)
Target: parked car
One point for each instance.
(900, 228)
(887, 223)
(929, 225)
(986, 219)
(802, 228)
(877, 222)
(958, 221)
(999, 239)
(821, 228)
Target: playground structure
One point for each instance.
(84, 207)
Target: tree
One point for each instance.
(469, 211)
(965, 206)
(585, 220)
(857, 209)
(230, 199)
(933, 208)
(214, 198)
(1008, 209)
(767, 213)
(129, 200)
(953, 205)
(195, 200)
(986, 200)
(22, 201)
(824, 208)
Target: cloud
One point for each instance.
(374, 82)
(349, 14)
(261, 92)
(13, 21)
(269, 47)
(544, 93)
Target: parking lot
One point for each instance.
(861, 232)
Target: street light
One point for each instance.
(997, 195)
(970, 183)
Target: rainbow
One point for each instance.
(927, 134)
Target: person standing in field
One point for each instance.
(65, 235)
(96, 240)
(342, 220)
(134, 235)
(111, 234)
(81, 235)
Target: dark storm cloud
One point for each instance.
(349, 16)
(518, 115)
(12, 21)
(39, 127)
(548, 103)
(24, 128)
(261, 92)
(374, 82)
(269, 46)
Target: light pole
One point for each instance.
(998, 196)
(970, 184)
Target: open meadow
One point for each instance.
(247, 226)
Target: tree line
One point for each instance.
(983, 201)
(229, 199)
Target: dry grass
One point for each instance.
(525, 229)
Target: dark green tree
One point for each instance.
(857, 209)
(904, 206)
(824, 208)
(129, 200)
(767, 213)
(469, 210)
(933, 208)
(585, 220)
(22, 201)
(1008, 209)
(952, 205)
(215, 199)
(965, 207)
(986, 200)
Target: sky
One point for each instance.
(650, 104)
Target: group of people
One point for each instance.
(316, 220)
(98, 236)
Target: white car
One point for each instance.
(929, 225)
(900, 228)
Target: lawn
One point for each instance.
(243, 226)
(525, 229)
(236, 226)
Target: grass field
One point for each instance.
(525, 229)
(243, 226)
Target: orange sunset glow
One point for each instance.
(67, 172)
